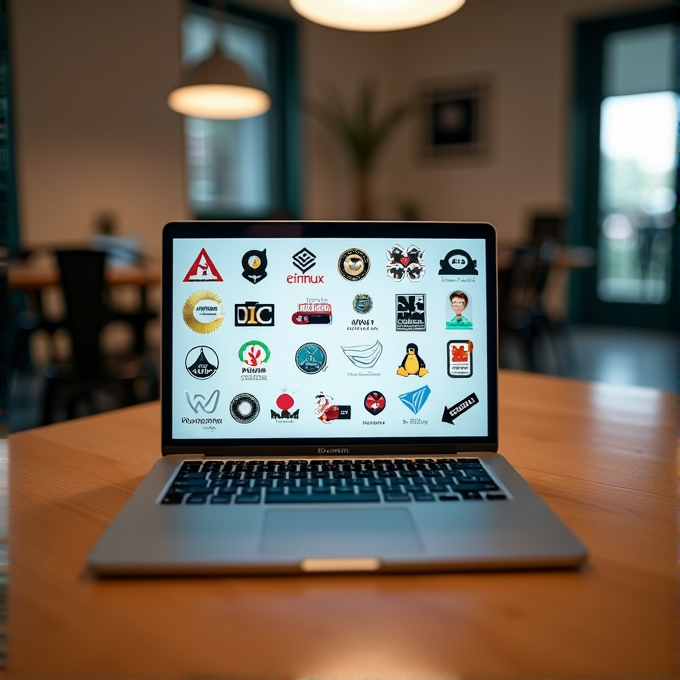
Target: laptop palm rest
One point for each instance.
(352, 533)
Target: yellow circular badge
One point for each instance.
(202, 311)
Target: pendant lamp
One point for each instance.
(375, 15)
(218, 87)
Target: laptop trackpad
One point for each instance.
(340, 533)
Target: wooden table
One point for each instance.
(22, 276)
(602, 456)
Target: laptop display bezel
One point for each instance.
(325, 447)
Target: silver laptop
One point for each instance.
(329, 403)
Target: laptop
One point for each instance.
(329, 403)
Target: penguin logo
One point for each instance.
(254, 264)
(412, 363)
(353, 264)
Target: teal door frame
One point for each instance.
(585, 172)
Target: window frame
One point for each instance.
(286, 166)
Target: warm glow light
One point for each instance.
(219, 101)
(375, 15)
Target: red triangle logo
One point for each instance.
(203, 269)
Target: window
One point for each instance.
(245, 168)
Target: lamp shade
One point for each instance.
(375, 15)
(218, 88)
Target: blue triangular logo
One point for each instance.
(416, 400)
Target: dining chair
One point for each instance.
(92, 379)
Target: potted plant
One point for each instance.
(362, 133)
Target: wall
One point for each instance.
(94, 133)
(90, 80)
(525, 47)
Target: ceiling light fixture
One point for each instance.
(375, 15)
(218, 87)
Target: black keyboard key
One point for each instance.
(448, 497)
(222, 499)
(198, 499)
(191, 466)
(423, 497)
(172, 499)
(190, 489)
(471, 495)
(496, 497)
(473, 486)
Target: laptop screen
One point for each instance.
(334, 337)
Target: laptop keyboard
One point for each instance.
(286, 482)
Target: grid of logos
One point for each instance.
(370, 340)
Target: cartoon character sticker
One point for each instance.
(412, 363)
(326, 411)
(459, 302)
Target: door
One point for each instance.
(625, 169)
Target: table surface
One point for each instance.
(602, 456)
(23, 276)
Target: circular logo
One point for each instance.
(362, 303)
(254, 353)
(310, 358)
(202, 311)
(201, 362)
(374, 402)
(244, 408)
(354, 264)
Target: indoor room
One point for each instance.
(554, 121)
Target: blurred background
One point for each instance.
(555, 121)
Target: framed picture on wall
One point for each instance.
(454, 118)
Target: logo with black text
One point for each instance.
(254, 314)
(453, 412)
(314, 311)
(201, 362)
(254, 264)
(285, 414)
(254, 354)
(459, 358)
(203, 269)
(410, 312)
(202, 311)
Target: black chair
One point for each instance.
(521, 307)
(91, 381)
